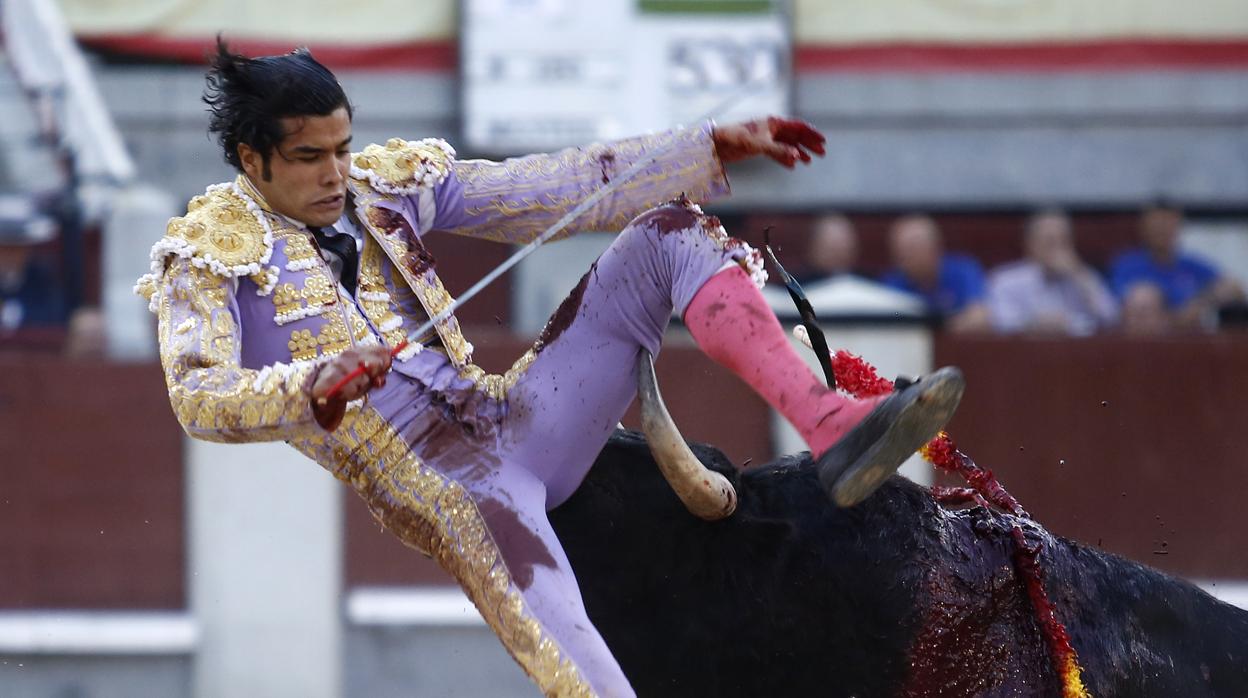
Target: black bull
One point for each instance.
(898, 596)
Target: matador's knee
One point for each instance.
(682, 220)
(680, 216)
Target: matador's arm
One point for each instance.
(213, 397)
(517, 199)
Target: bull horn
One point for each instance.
(803, 336)
(706, 494)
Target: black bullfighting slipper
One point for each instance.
(876, 447)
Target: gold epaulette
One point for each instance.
(403, 167)
(223, 232)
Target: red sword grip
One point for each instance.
(359, 371)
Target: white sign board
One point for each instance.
(544, 74)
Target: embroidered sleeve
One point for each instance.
(515, 200)
(213, 397)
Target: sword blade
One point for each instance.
(563, 222)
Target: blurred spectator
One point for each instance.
(833, 250)
(29, 293)
(1191, 287)
(951, 284)
(1144, 310)
(1051, 290)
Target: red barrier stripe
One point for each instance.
(425, 56)
(441, 55)
(1107, 55)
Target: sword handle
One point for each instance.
(359, 371)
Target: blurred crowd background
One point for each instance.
(1051, 194)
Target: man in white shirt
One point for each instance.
(1051, 290)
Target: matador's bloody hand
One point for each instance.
(784, 140)
(329, 408)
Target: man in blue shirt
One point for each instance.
(951, 284)
(1192, 287)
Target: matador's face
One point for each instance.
(306, 176)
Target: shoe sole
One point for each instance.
(920, 418)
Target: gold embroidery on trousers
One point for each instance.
(435, 515)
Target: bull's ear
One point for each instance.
(705, 493)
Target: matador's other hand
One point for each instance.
(784, 140)
(329, 410)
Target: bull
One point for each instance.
(768, 589)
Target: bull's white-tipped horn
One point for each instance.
(803, 336)
(705, 493)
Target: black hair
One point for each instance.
(248, 98)
(1039, 214)
(1163, 203)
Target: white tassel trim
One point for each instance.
(267, 281)
(304, 312)
(409, 351)
(752, 262)
(289, 377)
(301, 264)
(750, 259)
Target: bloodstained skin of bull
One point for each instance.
(979, 632)
(955, 651)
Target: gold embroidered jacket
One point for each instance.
(247, 308)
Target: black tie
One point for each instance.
(342, 246)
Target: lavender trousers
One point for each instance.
(520, 458)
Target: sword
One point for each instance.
(535, 243)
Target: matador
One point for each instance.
(312, 261)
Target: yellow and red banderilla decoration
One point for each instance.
(860, 379)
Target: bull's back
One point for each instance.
(894, 597)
